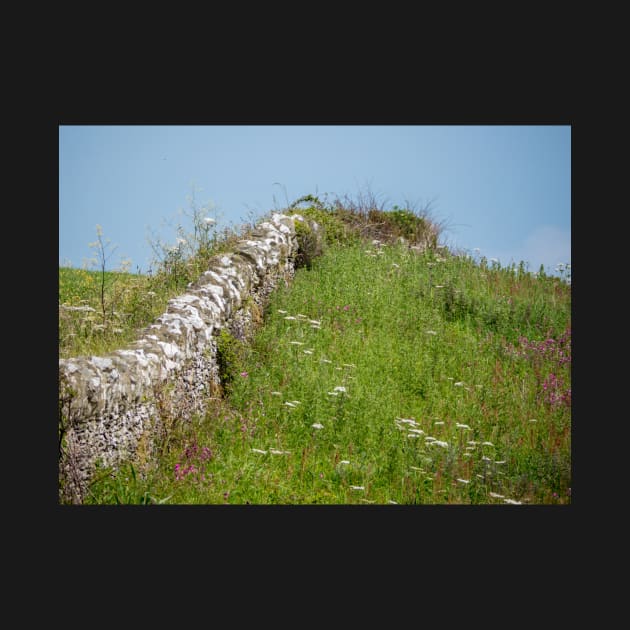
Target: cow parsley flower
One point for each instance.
(440, 443)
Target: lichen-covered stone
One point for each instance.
(108, 403)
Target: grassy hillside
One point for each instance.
(384, 374)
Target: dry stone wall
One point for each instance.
(115, 407)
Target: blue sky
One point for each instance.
(505, 190)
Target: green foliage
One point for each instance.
(120, 487)
(310, 244)
(402, 222)
(231, 356)
(335, 229)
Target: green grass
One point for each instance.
(453, 387)
(132, 301)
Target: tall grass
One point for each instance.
(384, 374)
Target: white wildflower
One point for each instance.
(395, 265)
(487, 444)
(325, 361)
(392, 502)
(438, 286)
(500, 462)
(416, 468)
(412, 435)
(257, 450)
(296, 343)
(289, 404)
(533, 420)
(429, 438)
(315, 327)
(418, 431)
(496, 496)
(275, 451)
(440, 443)
(151, 293)
(209, 221)
(472, 442)
(357, 488)
(462, 426)
(430, 332)
(315, 322)
(407, 421)
(308, 352)
(317, 425)
(276, 393)
(297, 402)
(181, 241)
(486, 459)
(439, 422)
(463, 480)
(333, 393)
(459, 384)
(289, 317)
(350, 365)
(450, 378)
(467, 455)
(281, 311)
(512, 502)
(340, 388)
(344, 461)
